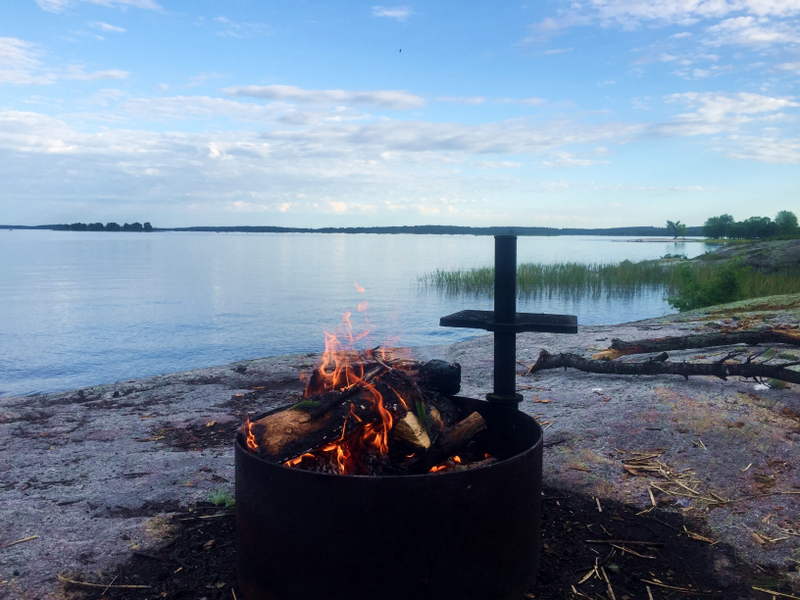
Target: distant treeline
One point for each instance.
(452, 230)
(136, 226)
(409, 229)
(86, 227)
(785, 224)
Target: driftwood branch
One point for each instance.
(702, 340)
(661, 366)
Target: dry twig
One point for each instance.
(781, 594)
(27, 539)
(677, 589)
(63, 579)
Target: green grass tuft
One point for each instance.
(221, 498)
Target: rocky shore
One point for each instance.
(768, 257)
(94, 473)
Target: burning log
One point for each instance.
(410, 431)
(459, 435)
(369, 414)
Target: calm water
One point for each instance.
(84, 308)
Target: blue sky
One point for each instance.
(586, 113)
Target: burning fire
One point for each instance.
(342, 367)
(359, 402)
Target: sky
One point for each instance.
(554, 113)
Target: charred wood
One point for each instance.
(421, 414)
(458, 436)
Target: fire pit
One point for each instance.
(464, 534)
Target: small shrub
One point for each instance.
(722, 287)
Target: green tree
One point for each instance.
(717, 227)
(759, 227)
(786, 223)
(676, 229)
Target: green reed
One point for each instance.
(616, 279)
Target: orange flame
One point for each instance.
(250, 439)
(340, 368)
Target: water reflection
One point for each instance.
(83, 308)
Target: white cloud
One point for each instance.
(52, 5)
(497, 164)
(740, 22)
(401, 13)
(58, 6)
(764, 149)
(719, 112)
(20, 65)
(469, 100)
(747, 31)
(106, 27)
(687, 12)
(78, 73)
(551, 27)
(523, 101)
(102, 97)
(793, 67)
(566, 159)
(714, 107)
(394, 99)
(239, 30)
(202, 78)
(206, 107)
(506, 138)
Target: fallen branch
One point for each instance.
(703, 340)
(720, 369)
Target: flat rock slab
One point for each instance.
(93, 472)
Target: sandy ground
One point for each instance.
(92, 472)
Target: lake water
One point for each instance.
(84, 308)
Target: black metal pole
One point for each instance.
(505, 311)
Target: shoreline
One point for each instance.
(96, 472)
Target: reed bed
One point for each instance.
(612, 279)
